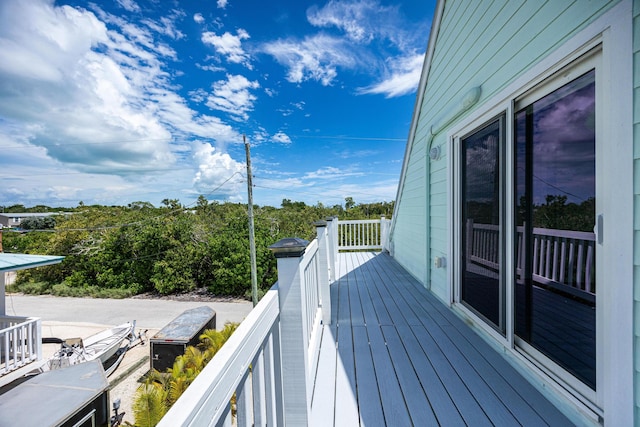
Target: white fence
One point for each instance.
(20, 342)
(363, 234)
(562, 259)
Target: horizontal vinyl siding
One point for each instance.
(409, 236)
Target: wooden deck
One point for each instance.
(394, 355)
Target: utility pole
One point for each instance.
(252, 237)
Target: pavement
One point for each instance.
(64, 317)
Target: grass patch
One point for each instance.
(64, 290)
(31, 288)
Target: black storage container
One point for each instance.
(183, 331)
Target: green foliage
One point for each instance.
(38, 223)
(118, 251)
(149, 405)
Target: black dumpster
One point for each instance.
(183, 331)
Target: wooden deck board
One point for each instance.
(368, 394)
(412, 389)
(393, 405)
(398, 356)
(323, 402)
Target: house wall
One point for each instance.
(410, 231)
(636, 204)
(490, 44)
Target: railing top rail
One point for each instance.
(18, 318)
(567, 234)
(358, 221)
(551, 232)
(210, 392)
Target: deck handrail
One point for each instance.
(363, 234)
(20, 342)
(247, 364)
(562, 259)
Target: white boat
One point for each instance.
(101, 346)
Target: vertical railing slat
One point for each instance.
(243, 403)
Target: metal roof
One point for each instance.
(53, 397)
(13, 262)
(29, 214)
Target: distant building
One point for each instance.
(14, 219)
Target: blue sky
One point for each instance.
(110, 102)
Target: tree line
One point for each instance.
(120, 251)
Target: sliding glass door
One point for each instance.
(555, 196)
(525, 212)
(482, 287)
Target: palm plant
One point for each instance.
(150, 405)
(162, 389)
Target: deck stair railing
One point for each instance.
(562, 259)
(270, 360)
(20, 342)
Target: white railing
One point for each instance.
(248, 365)
(562, 259)
(270, 360)
(20, 342)
(368, 234)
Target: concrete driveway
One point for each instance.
(150, 314)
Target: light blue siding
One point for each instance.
(410, 216)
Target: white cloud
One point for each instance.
(222, 4)
(167, 25)
(360, 20)
(218, 173)
(212, 68)
(97, 99)
(314, 58)
(198, 18)
(402, 79)
(281, 137)
(233, 96)
(364, 21)
(330, 172)
(129, 5)
(229, 46)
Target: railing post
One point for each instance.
(323, 266)
(331, 244)
(293, 343)
(335, 225)
(384, 233)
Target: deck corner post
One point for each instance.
(333, 256)
(324, 270)
(293, 346)
(38, 338)
(3, 310)
(384, 233)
